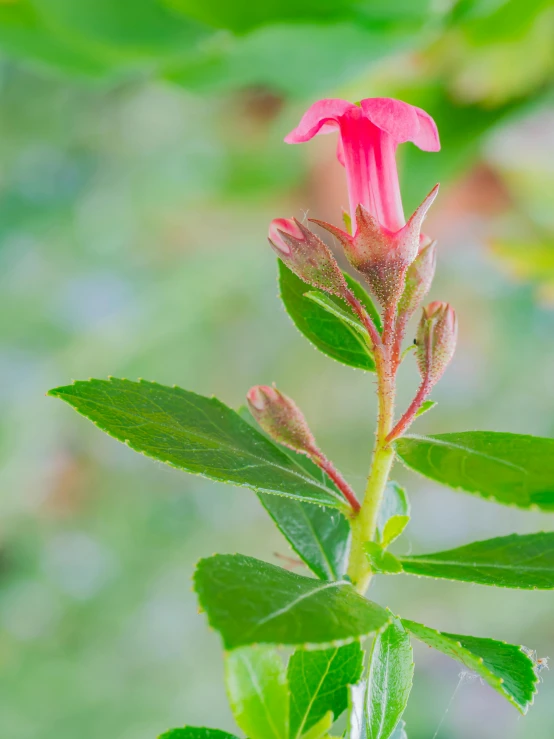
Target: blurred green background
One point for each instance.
(141, 161)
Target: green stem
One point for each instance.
(364, 524)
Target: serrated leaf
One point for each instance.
(424, 407)
(515, 561)
(394, 514)
(326, 302)
(505, 667)
(382, 562)
(325, 331)
(319, 681)
(258, 692)
(508, 468)
(391, 671)
(320, 536)
(196, 732)
(252, 602)
(193, 433)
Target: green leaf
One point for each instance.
(328, 333)
(319, 681)
(515, 561)
(424, 407)
(193, 433)
(382, 563)
(391, 671)
(508, 468)
(24, 35)
(320, 536)
(118, 33)
(252, 602)
(394, 514)
(320, 730)
(505, 667)
(258, 692)
(196, 732)
(333, 307)
(242, 16)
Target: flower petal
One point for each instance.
(321, 117)
(428, 135)
(404, 122)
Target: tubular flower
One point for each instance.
(368, 136)
(382, 245)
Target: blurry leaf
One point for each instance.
(326, 332)
(197, 434)
(303, 59)
(391, 671)
(120, 31)
(318, 682)
(394, 514)
(252, 602)
(382, 563)
(243, 15)
(258, 693)
(508, 468)
(533, 262)
(195, 732)
(320, 536)
(500, 55)
(515, 561)
(24, 35)
(424, 407)
(505, 667)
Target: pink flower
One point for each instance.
(368, 136)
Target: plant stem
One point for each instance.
(327, 466)
(364, 524)
(415, 405)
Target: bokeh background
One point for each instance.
(141, 161)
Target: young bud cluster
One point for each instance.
(280, 417)
(436, 340)
(381, 256)
(306, 255)
(419, 277)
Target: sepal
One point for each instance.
(306, 255)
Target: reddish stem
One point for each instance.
(327, 466)
(410, 414)
(364, 317)
(400, 330)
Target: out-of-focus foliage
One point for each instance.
(141, 160)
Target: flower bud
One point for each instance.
(383, 256)
(306, 255)
(281, 418)
(418, 279)
(436, 340)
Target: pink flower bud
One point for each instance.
(380, 255)
(418, 279)
(436, 340)
(306, 255)
(281, 418)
